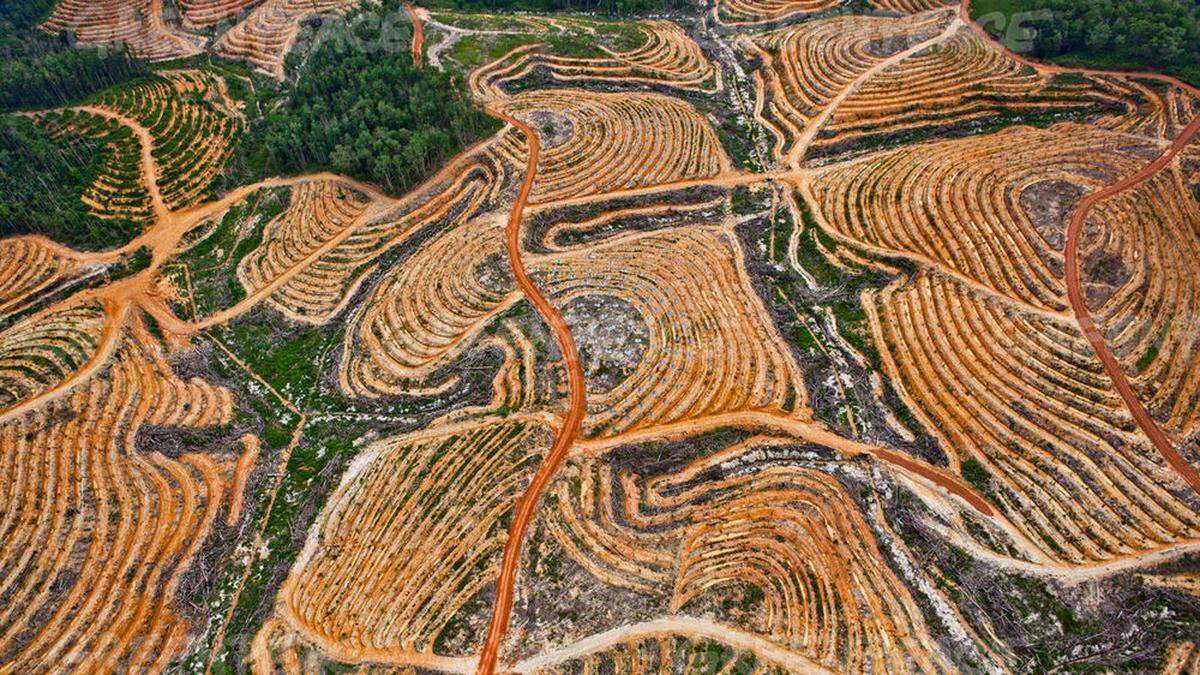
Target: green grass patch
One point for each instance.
(1147, 358)
(212, 260)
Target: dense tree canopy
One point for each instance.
(366, 113)
(1131, 34)
(41, 180)
(23, 15)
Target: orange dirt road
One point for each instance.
(418, 38)
(1075, 293)
(567, 435)
(947, 483)
(1075, 232)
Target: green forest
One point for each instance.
(367, 114)
(1160, 35)
(41, 181)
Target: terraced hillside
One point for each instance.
(757, 336)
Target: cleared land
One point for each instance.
(767, 338)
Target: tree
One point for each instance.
(371, 116)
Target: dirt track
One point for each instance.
(1075, 232)
(527, 505)
(796, 429)
(149, 165)
(418, 38)
(817, 122)
(1093, 334)
(668, 626)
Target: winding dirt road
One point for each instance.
(797, 429)
(1074, 283)
(667, 627)
(1094, 337)
(527, 506)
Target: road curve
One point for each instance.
(567, 434)
(1094, 337)
(801, 430)
(1075, 232)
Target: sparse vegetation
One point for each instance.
(744, 343)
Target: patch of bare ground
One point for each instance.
(612, 336)
(1048, 203)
